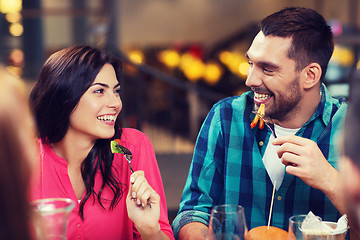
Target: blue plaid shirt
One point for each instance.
(227, 166)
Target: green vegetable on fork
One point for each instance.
(117, 148)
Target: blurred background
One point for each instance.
(180, 57)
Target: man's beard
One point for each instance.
(287, 102)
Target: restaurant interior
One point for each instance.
(180, 57)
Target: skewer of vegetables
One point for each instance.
(261, 112)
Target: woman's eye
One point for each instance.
(117, 91)
(99, 91)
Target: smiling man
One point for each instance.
(234, 164)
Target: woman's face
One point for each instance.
(94, 116)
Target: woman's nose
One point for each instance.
(115, 101)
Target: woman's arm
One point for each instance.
(145, 161)
(143, 206)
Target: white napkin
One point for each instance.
(312, 224)
(342, 224)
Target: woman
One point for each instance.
(17, 158)
(76, 104)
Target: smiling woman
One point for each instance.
(76, 103)
(95, 114)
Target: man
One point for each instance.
(350, 160)
(234, 164)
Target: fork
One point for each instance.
(128, 156)
(266, 123)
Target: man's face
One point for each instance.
(272, 76)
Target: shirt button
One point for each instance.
(279, 198)
(261, 143)
(78, 236)
(78, 225)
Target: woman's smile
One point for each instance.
(107, 119)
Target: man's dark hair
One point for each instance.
(312, 39)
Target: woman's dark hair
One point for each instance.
(64, 78)
(312, 39)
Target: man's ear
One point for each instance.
(311, 75)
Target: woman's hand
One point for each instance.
(143, 205)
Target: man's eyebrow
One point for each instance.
(265, 63)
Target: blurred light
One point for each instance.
(185, 60)
(212, 73)
(343, 56)
(193, 68)
(336, 27)
(9, 6)
(236, 62)
(136, 56)
(16, 58)
(339, 89)
(13, 17)
(170, 58)
(225, 57)
(16, 29)
(243, 68)
(333, 72)
(195, 50)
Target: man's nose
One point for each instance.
(253, 78)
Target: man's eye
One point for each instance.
(268, 70)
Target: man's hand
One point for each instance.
(305, 160)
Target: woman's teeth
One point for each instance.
(107, 118)
(262, 96)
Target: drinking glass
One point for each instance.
(227, 222)
(295, 226)
(295, 232)
(323, 236)
(50, 217)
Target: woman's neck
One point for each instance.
(73, 149)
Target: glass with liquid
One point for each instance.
(50, 217)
